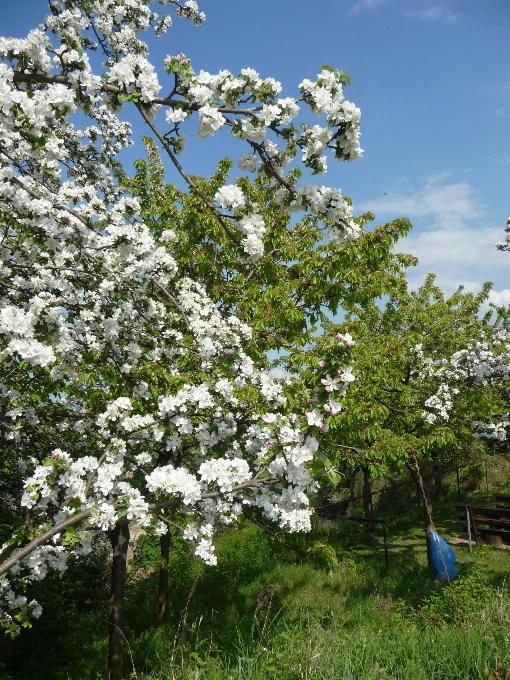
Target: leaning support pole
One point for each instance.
(427, 516)
(468, 518)
(119, 539)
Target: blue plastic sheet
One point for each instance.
(443, 557)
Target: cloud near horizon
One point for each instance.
(449, 237)
(424, 10)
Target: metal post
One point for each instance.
(458, 483)
(469, 529)
(386, 557)
(486, 476)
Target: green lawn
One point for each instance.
(260, 614)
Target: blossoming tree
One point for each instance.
(405, 408)
(125, 390)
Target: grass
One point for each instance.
(260, 615)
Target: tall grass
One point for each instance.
(261, 615)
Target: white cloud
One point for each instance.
(361, 5)
(449, 237)
(501, 298)
(425, 11)
(432, 13)
(277, 373)
(448, 204)
(458, 256)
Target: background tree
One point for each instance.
(401, 410)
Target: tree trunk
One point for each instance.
(438, 481)
(119, 539)
(164, 542)
(367, 498)
(427, 517)
(427, 508)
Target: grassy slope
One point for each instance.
(259, 615)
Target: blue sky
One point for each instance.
(432, 79)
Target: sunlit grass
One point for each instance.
(262, 615)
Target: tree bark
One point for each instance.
(427, 509)
(164, 542)
(438, 481)
(427, 517)
(119, 539)
(367, 498)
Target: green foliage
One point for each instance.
(261, 615)
(323, 556)
(464, 599)
(381, 426)
(472, 476)
(301, 280)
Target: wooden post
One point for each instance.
(438, 481)
(472, 520)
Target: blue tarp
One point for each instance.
(443, 557)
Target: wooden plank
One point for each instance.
(502, 523)
(473, 523)
(494, 532)
(488, 520)
(496, 513)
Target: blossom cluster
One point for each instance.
(325, 96)
(65, 82)
(439, 406)
(335, 211)
(485, 362)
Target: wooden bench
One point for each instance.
(491, 525)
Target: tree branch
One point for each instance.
(46, 79)
(43, 538)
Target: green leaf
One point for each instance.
(334, 478)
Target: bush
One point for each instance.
(461, 600)
(472, 476)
